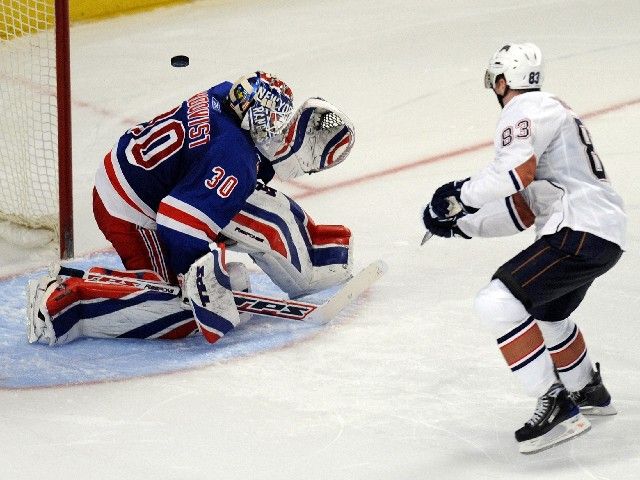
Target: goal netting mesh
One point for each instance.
(28, 117)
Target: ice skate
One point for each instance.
(556, 419)
(594, 399)
(39, 324)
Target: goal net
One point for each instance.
(35, 160)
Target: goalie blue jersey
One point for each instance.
(185, 173)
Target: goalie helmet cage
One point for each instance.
(36, 200)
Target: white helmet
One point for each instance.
(521, 65)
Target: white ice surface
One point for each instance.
(408, 385)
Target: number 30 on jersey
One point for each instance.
(223, 185)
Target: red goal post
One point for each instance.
(36, 200)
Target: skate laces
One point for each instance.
(541, 410)
(544, 402)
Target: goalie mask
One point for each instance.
(264, 103)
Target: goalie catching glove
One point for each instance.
(319, 136)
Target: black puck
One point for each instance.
(179, 61)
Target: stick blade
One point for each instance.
(348, 293)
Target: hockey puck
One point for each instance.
(179, 61)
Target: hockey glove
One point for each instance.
(265, 169)
(207, 287)
(445, 228)
(446, 202)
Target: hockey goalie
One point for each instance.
(176, 192)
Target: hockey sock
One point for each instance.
(518, 336)
(568, 352)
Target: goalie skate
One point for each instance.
(39, 324)
(556, 419)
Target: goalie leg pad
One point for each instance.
(90, 307)
(208, 289)
(299, 256)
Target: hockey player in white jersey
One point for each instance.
(545, 172)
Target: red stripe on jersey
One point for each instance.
(187, 219)
(270, 233)
(527, 217)
(529, 341)
(527, 171)
(342, 142)
(156, 255)
(571, 353)
(113, 178)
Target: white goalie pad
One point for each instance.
(319, 136)
(299, 256)
(208, 288)
(105, 303)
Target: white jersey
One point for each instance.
(540, 138)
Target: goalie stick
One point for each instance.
(318, 314)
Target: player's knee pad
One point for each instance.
(497, 308)
(207, 287)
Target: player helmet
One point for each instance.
(521, 65)
(263, 102)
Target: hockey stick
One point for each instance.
(264, 306)
(426, 237)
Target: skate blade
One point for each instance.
(599, 411)
(570, 428)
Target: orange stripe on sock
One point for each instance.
(570, 353)
(523, 345)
